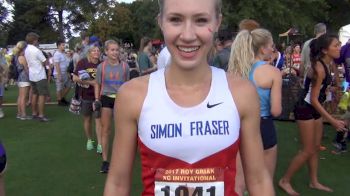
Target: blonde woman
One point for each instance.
(186, 119)
(84, 75)
(22, 80)
(250, 52)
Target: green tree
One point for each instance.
(31, 16)
(144, 20)
(112, 22)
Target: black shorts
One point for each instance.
(305, 111)
(3, 159)
(268, 132)
(86, 107)
(107, 102)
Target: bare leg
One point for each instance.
(240, 181)
(313, 161)
(307, 138)
(41, 105)
(35, 104)
(87, 127)
(23, 91)
(270, 158)
(106, 117)
(64, 92)
(98, 130)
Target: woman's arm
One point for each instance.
(258, 179)
(276, 93)
(315, 92)
(125, 141)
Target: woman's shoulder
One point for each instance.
(135, 87)
(243, 92)
(239, 85)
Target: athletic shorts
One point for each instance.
(2, 159)
(64, 83)
(23, 84)
(40, 87)
(86, 107)
(305, 111)
(107, 102)
(268, 132)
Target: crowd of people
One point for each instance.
(204, 103)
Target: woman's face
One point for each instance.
(112, 52)
(333, 49)
(188, 28)
(95, 53)
(296, 49)
(268, 50)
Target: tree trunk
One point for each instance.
(60, 24)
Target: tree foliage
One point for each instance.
(112, 21)
(109, 19)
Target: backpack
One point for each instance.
(13, 69)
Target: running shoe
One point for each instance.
(89, 144)
(99, 149)
(25, 117)
(42, 119)
(104, 167)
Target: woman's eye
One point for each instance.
(175, 19)
(202, 20)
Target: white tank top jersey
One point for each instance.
(201, 140)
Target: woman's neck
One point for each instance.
(94, 60)
(327, 60)
(113, 62)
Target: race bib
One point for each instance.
(189, 182)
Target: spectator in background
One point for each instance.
(22, 80)
(85, 77)
(221, 59)
(305, 64)
(296, 58)
(278, 57)
(111, 74)
(62, 78)
(37, 76)
(344, 59)
(84, 45)
(248, 24)
(144, 61)
(76, 54)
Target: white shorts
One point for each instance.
(23, 84)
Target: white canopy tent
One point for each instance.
(344, 34)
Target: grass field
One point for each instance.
(49, 159)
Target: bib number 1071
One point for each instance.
(186, 191)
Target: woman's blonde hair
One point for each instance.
(20, 46)
(88, 56)
(245, 48)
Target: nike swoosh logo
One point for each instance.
(213, 105)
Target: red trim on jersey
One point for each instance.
(152, 160)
